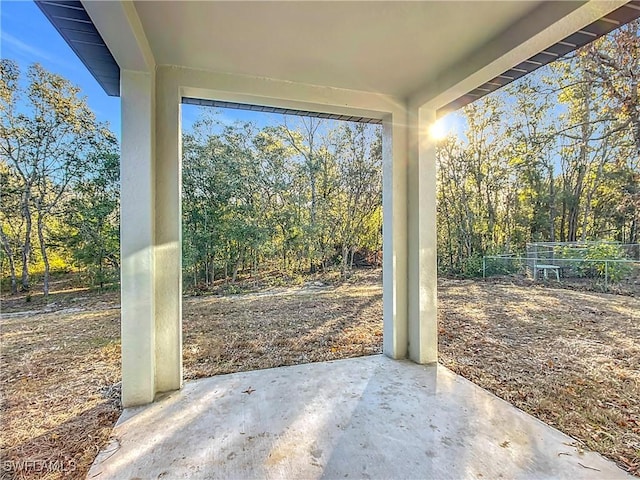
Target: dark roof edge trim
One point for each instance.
(63, 14)
(283, 111)
(603, 26)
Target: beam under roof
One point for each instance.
(283, 111)
(71, 20)
(603, 26)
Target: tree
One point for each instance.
(92, 212)
(614, 63)
(532, 134)
(305, 141)
(290, 198)
(47, 135)
(552, 157)
(11, 223)
(360, 173)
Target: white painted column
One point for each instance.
(394, 234)
(137, 198)
(168, 239)
(422, 239)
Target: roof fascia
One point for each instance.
(118, 23)
(508, 50)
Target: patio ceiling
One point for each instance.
(384, 47)
(393, 48)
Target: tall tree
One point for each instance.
(47, 133)
(92, 212)
(360, 173)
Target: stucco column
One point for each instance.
(137, 198)
(168, 238)
(421, 239)
(394, 234)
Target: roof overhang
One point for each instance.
(393, 48)
(73, 23)
(604, 25)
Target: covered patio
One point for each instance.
(369, 417)
(401, 64)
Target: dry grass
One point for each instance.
(569, 358)
(58, 398)
(225, 335)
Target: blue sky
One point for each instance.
(27, 37)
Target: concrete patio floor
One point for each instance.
(369, 417)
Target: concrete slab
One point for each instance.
(368, 417)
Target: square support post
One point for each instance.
(137, 231)
(422, 239)
(168, 238)
(151, 279)
(394, 234)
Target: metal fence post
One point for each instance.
(484, 266)
(606, 275)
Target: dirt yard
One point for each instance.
(570, 358)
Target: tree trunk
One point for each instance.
(45, 258)
(563, 218)
(345, 259)
(552, 205)
(572, 233)
(26, 246)
(6, 246)
(236, 268)
(101, 271)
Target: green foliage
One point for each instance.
(93, 221)
(596, 260)
(472, 267)
(294, 199)
(554, 157)
(614, 271)
(49, 138)
(503, 265)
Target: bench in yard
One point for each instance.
(545, 271)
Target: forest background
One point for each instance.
(555, 156)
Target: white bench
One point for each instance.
(545, 271)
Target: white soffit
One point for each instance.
(388, 47)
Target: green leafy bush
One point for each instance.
(503, 265)
(472, 267)
(597, 260)
(614, 271)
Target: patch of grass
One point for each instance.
(569, 358)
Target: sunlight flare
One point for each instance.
(438, 130)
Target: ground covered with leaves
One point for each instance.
(568, 357)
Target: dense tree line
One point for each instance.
(299, 197)
(59, 180)
(553, 157)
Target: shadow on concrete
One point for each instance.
(368, 417)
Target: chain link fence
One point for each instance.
(596, 264)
